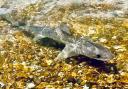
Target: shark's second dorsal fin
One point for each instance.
(65, 28)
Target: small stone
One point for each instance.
(49, 62)
(125, 23)
(91, 31)
(110, 78)
(29, 56)
(103, 40)
(61, 74)
(30, 85)
(2, 84)
(119, 48)
(114, 37)
(80, 71)
(122, 73)
(73, 74)
(85, 87)
(67, 67)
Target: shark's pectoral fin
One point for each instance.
(67, 52)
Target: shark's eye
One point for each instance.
(98, 56)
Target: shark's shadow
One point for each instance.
(51, 43)
(100, 65)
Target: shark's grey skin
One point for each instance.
(73, 46)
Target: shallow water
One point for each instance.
(26, 64)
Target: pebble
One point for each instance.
(119, 48)
(49, 62)
(85, 87)
(91, 30)
(103, 40)
(61, 74)
(2, 84)
(30, 85)
(114, 37)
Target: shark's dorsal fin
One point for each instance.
(64, 27)
(63, 30)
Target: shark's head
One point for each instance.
(98, 52)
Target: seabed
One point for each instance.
(25, 64)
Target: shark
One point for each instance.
(73, 46)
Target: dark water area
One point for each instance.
(51, 43)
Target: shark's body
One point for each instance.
(73, 46)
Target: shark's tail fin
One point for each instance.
(7, 17)
(5, 14)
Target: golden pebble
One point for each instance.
(114, 37)
(125, 23)
(110, 78)
(74, 74)
(42, 85)
(49, 62)
(119, 48)
(67, 67)
(91, 30)
(61, 74)
(29, 56)
(20, 84)
(103, 40)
